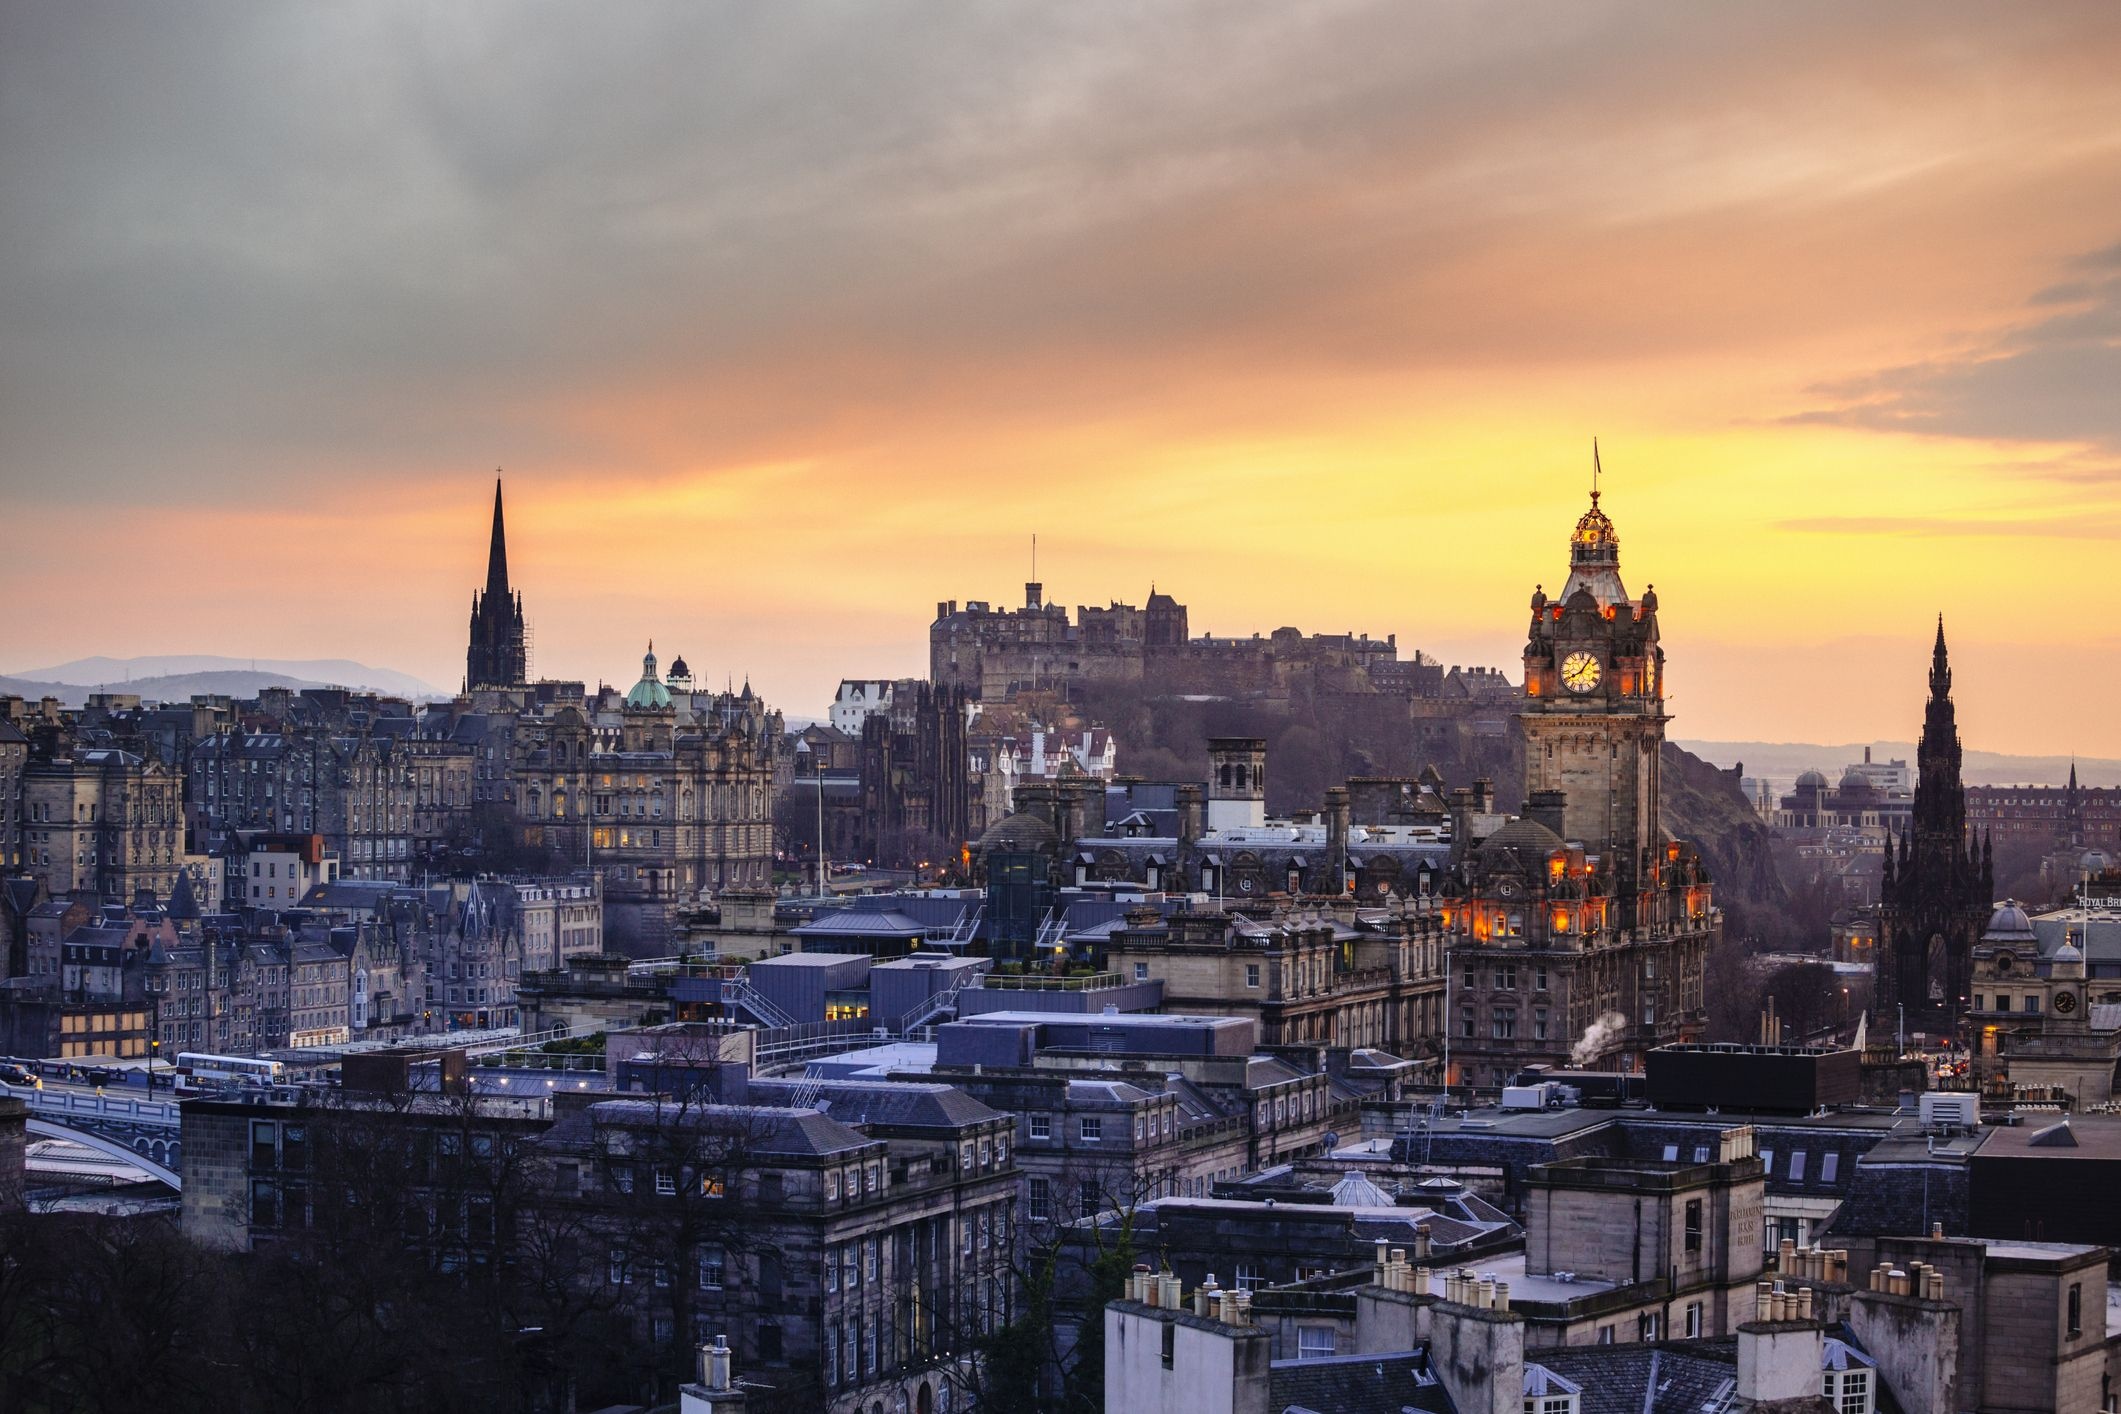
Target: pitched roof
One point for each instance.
(766, 1130)
(892, 1104)
(1355, 1384)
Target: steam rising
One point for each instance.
(1602, 1033)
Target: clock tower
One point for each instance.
(1594, 706)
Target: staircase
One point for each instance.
(738, 991)
(926, 1010)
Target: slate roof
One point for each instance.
(1355, 1384)
(861, 923)
(770, 1131)
(896, 1105)
(1702, 1378)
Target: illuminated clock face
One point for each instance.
(1580, 672)
(2065, 1003)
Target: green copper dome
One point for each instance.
(649, 693)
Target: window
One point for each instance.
(615, 1270)
(264, 1203)
(1539, 978)
(1092, 1129)
(1539, 1024)
(1701, 1153)
(1087, 1198)
(1170, 1343)
(2032, 1002)
(1829, 1166)
(1797, 1166)
(1465, 1022)
(1693, 1225)
(1671, 1153)
(1693, 1320)
(1504, 1025)
(1767, 1161)
(1041, 1200)
(1314, 1342)
(1041, 1126)
(1646, 1326)
(1605, 1335)
(1141, 971)
(1849, 1391)
(2076, 1309)
(1251, 980)
(832, 1355)
(712, 1262)
(666, 1182)
(1506, 978)
(1248, 1276)
(264, 1148)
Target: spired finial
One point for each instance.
(1596, 469)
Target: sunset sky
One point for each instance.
(788, 320)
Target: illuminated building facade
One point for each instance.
(1581, 931)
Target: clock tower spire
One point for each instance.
(1594, 700)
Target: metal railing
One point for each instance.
(1039, 982)
(740, 992)
(66, 1102)
(1050, 931)
(925, 1010)
(968, 926)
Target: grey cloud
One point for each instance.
(247, 240)
(2056, 380)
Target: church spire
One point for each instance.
(1940, 665)
(498, 655)
(497, 554)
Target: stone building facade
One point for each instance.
(667, 793)
(1581, 933)
(103, 820)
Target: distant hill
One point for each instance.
(1781, 762)
(173, 687)
(165, 670)
(1702, 805)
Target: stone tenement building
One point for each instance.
(499, 654)
(915, 773)
(851, 1257)
(1582, 931)
(2079, 827)
(102, 820)
(668, 793)
(14, 760)
(1939, 885)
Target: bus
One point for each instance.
(198, 1072)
